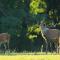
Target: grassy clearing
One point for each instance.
(30, 57)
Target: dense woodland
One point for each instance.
(21, 19)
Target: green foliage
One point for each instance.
(34, 28)
(33, 31)
(53, 10)
(11, 7)
(9, 24)
(53, 13)
(37, 6)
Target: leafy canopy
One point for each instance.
(37, 6)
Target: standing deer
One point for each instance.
(50, 35)
(4, 39)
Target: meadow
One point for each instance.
(30, 56)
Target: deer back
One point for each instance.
(4, 37)
(52, 34)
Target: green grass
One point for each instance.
(29, 53)
(29, 56)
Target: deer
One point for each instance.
(50, 35)
(4, 39)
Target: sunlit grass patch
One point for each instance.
(30, 57)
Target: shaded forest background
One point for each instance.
(21, 18)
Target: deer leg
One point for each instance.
(56, 48)
(59, 48)
(5, 47)
(8, 45)
(0, 47)
(51, 46)
(46, 47)
(59, 44)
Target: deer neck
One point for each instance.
(44, 28)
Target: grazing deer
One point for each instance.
(50, 35)
(4, 39)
